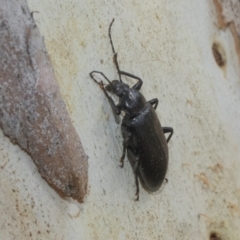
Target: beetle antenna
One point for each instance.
(109, 33)
(114, 53)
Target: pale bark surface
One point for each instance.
(186, 54)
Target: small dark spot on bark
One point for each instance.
(219, 54)
(33, 13)
(214, 236)
(70, 186)
(23, 10)
(3, 24)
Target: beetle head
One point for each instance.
(117, 88)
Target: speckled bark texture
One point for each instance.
(32, 112)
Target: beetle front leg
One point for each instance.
(168, 130)
(115, 108)
(138, 85)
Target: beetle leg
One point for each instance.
(154, 102)
(168, 130)
(137, 188)
(136, 179)
(126, 137)
(134, 160)
(138, 85)
(125, 142)
(99, 83)
(115, 108)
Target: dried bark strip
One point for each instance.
(228, 16)
(32, 112)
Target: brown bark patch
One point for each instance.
(32, 111)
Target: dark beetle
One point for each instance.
(143, 135)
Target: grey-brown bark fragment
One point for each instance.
(32, 112)
(228, 16)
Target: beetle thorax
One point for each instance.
(132, 102)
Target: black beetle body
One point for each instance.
(148, 147)
(143, 136)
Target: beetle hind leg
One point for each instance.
(137, 187)
(136, 167)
